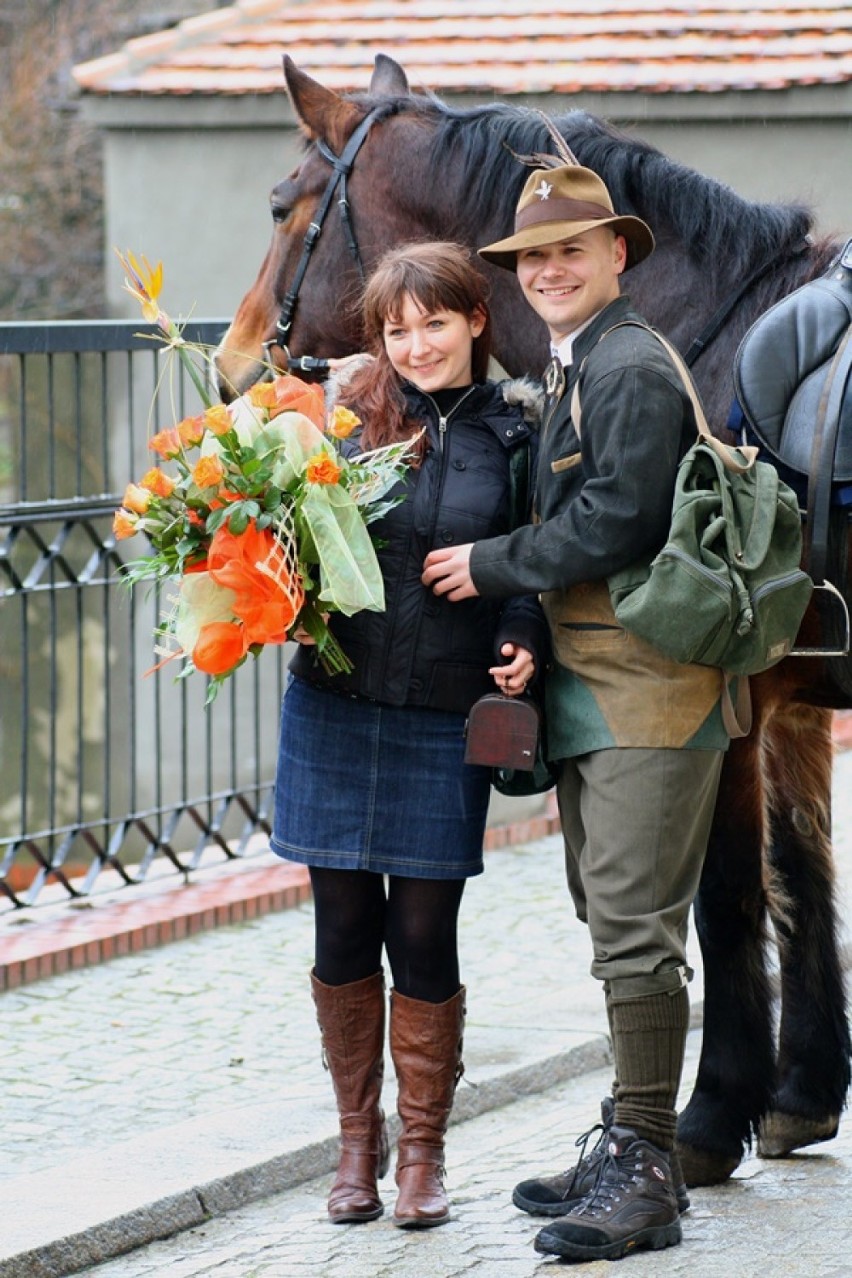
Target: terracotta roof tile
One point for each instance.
(653, 46)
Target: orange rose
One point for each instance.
(157, 482)
(288, 394)
(167, 443)
(123, 524)
(218, 420)
(191, 431)
(208, 472)
(322, 469)
(136, 498)
(220, 645)
(342, 422)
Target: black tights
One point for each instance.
(415, 920)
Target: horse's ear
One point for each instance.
(322, 112)
(389, 79)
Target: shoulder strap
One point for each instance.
(747, 453)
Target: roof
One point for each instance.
(502, 46)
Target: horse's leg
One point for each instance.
(736, 1069)
(814, 1046)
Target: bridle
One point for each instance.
(341, 166)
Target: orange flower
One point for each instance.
(322, 469)
(167, 443)
(136, 498)
(218, 420)
(208, 472)
(267, 608)
(194, 517)
(220, 645)
(123, 524)
(191, 431)
(342, 422)
(157, 482)
(288, 394)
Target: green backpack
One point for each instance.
(726, 589)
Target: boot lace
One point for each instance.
(617, 1172)
(583, 1159)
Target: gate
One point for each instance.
(109, 777)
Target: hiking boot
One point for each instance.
(633, 1205)
(556, 1195)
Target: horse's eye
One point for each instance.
(280, 213)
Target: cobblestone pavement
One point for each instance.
(224, 1019)
(786, 1217)
(129, 1085)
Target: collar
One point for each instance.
(564, 351)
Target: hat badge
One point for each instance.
(543, 190)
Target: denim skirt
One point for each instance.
(365, 786)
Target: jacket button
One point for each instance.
(416, 685)
(446, 535)
(459, 464)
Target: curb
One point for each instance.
(48, 940)
(185, 1209)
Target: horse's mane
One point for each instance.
(709, 218)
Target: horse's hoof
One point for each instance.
(779, 1133)
(705, 1166)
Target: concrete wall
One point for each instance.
(188, 180)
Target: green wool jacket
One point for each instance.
(603, 500)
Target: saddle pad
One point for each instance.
(782, 364)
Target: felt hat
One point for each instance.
(557, 204)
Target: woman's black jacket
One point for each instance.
(423, 650)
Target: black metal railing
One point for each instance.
(108, 777)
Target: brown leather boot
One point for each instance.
(426, 1046)
(352, 1023)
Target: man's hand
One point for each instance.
(448, 572)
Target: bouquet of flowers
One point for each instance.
(262, 525)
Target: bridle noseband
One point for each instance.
(342, 166)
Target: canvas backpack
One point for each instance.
(726, 589)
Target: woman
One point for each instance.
(371, 778)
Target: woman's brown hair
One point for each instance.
(439, 276)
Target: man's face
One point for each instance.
(568, 282)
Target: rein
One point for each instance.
(716, 323)
(342, 166)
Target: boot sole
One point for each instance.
(562, 1208)
(653, 1239)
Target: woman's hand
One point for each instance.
(300, 634)
(513, 677)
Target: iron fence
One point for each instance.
(109, 778)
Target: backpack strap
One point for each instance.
(738, 459)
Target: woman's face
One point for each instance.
(432, 349)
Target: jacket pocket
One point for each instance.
(561, 464)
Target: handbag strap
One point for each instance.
(736, 458)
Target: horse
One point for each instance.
(406, 166)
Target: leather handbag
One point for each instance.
(505, 734)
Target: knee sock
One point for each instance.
(649, 1037)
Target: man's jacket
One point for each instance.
(602, 500)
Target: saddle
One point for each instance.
(793, 383)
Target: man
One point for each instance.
(639, 738)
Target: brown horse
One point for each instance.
(415, 168)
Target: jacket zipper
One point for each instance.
(443, 421)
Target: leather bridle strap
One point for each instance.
(341, 168)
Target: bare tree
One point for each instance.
(51, 183)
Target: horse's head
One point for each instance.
(358, 213)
